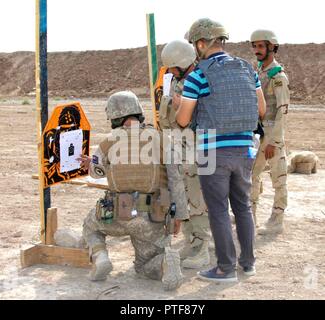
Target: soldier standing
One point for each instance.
(275, 87)
(138, 198)
(180, 57)
(222, 98)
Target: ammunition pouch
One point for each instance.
(105, 209)
(127, 205)
(160, 204)
(167, 114)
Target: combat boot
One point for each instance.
(202, 258)
(101, 266)
(274, 225)
(172, 275)
(186, 251)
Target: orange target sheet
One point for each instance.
(66, 120)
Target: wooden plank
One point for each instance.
(80, 182)
(54, 255)
(51, 225)
(73, 257)
(29, 257)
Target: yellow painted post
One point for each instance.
(152, 62)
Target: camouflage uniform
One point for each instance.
(150, 243)
(277, 97)
(196, 230)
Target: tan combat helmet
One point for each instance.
(122, 104)
(264, 35)
(178, 54)
(186, 35)
(206, 29)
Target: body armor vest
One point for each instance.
(142, 177)
(231, 105)
(167, 113)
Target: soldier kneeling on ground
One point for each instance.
(139, 197)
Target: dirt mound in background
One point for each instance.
(99, 73)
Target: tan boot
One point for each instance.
(101, 267)
(172, 275)
(186, 251)
(202, 258)
(273, 226)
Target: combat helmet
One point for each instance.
(178, 54)
(122, 104)
(264, 35)
(207, 29)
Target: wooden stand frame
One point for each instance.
(46, 252)
(49, 253)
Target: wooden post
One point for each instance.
(152, 61)
(51, 225)
(41, 104)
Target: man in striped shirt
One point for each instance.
(196, 86)
(223, 98)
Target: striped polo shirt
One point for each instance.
(196, 86)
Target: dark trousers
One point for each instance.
(231, 180)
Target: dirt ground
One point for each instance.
(289, 266)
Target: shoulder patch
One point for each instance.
(94, 159)
(278, 83)
(99, 171)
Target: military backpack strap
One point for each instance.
(274, 71)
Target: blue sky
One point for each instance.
(75, 25)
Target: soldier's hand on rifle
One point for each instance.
(84, 162)
(269, 151)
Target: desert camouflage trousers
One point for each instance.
(148, 239)
(278, 170)
(197, 228)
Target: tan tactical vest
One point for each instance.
(141, 177)
(167, 114)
